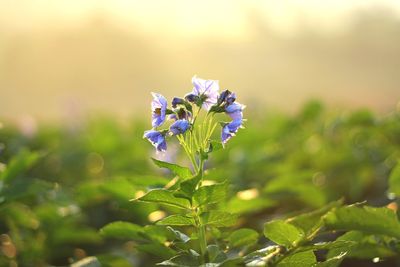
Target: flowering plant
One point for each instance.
(197, 231)
(195, 138)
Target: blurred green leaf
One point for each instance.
(18, 164)
(394, 180)
(283, 233)
(157, 250)
(122, 230)
(243, 237)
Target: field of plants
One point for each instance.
(315, 188)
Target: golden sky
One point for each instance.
(225, 18)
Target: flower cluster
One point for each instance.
(184, 112)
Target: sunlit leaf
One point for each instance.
(282, 233)
(166, 197)
(182, 172)
(177, 220)
(367, 219)
(218, 218)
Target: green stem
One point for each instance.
(201, 227)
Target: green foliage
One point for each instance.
(182, 172)
(65, 195)
(243, 237)
(283, 233)
(165, 197)
(367, 219)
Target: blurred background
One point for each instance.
(65, 58)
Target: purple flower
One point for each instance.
(158, 108)
(226, 96)
(180, 114)
(235, 111)
(205, 91)
(177, 101)
(179, 127)
(230, 129)
(157, 139)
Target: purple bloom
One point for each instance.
(180, 114)
(235, 110)
(177, 101)
(158, 108)
(204, 90)
(226, 96)
(179, 127)
(157, 139)
(230, 129)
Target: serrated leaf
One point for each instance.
(394, 180)
(364, 246)
(308, 222)
(366, 219)
(283, 233)
(166, 197)
(177, 220)
(218, 218)
(122, 230)
(182, 172)
(301, 259)
(243, 237)
(188, 187)
(210, 194)
(215, 254)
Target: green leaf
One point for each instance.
(177, 220)
(166, 197)
(215, 254)
(215, 146)
(157, 250)
(308, 222)
(366, 219)
(243, 206)
(283, 233)
(243, 237)
(364, 246)
(18, 164)
(179, 235)
(394, 180)
(185, 259)
(122, 230)
(218, 218)
(332, 262)
(301, 259)
(210, 194)
(188, 187)
(182, 172)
